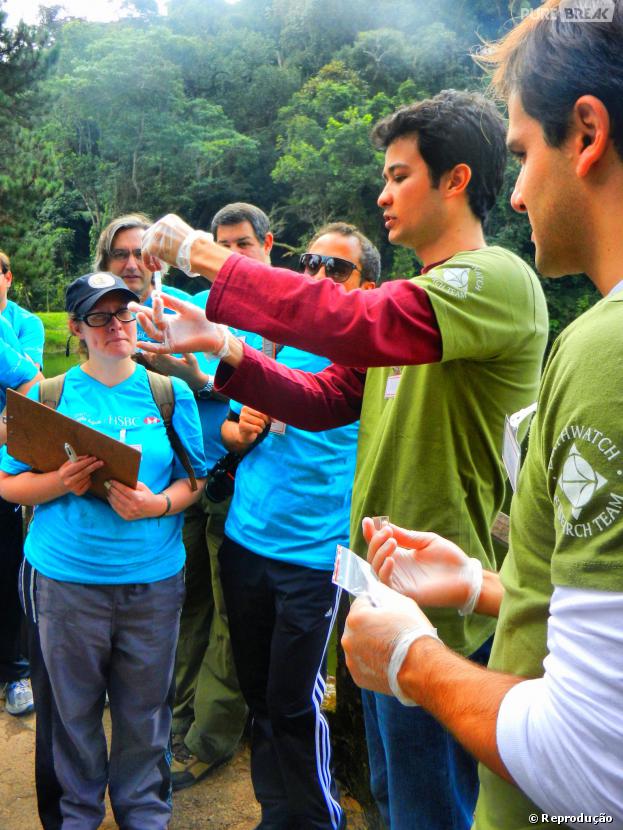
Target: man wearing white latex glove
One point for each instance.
(445, 343)
(545, 717)
(431, 570)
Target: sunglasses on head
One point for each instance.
(338, 269)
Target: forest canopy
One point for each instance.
(269, 101)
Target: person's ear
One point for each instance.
(268, 243)
(75, 327)
(455, 181)
(367, 285)
(590, 133)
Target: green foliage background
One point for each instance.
(270, 101)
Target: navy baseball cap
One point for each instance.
(83, 293)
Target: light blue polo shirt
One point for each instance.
(82, 539)
(15, 369)
(293, 491)
(28, 329)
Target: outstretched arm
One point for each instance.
(395, 325)
(315, 402)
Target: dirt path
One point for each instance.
(224, 801)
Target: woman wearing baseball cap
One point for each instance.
(102, 582)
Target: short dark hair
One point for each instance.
(107, 236)
(454, 128)
(237, 212)
(551, 61)
(370, 257)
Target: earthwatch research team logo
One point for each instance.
(579, 482)
(458, 281)
(588, 494)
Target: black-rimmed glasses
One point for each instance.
(97, 319)
(338, 269)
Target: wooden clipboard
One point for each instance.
(37, 434)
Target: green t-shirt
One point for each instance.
(430, 458)
(567, 515)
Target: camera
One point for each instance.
(222, 477)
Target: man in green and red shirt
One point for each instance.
(463, 342)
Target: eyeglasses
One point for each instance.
(97, 319)
(338, 269)
(122, 254)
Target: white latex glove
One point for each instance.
(424, 566)
(187, 330)
(376, 641)
(171, 239)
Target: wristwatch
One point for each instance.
(205, 393)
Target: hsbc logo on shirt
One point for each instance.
(125, 421)
(122, 421)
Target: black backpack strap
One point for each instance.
(50, 391)
(162, 391)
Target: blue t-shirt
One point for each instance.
(292, 496)
(213, 412)
(82, 539)
(28, 329)
(15, 369)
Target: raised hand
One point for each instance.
(170, 239)
(187, 330)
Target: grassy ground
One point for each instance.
(56, 331)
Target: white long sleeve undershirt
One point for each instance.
(561, 736)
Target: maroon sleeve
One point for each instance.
(393, 325)
(305, 400)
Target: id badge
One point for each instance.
(269, 348)
(277, 428)
(392, 382)
(511, 450)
